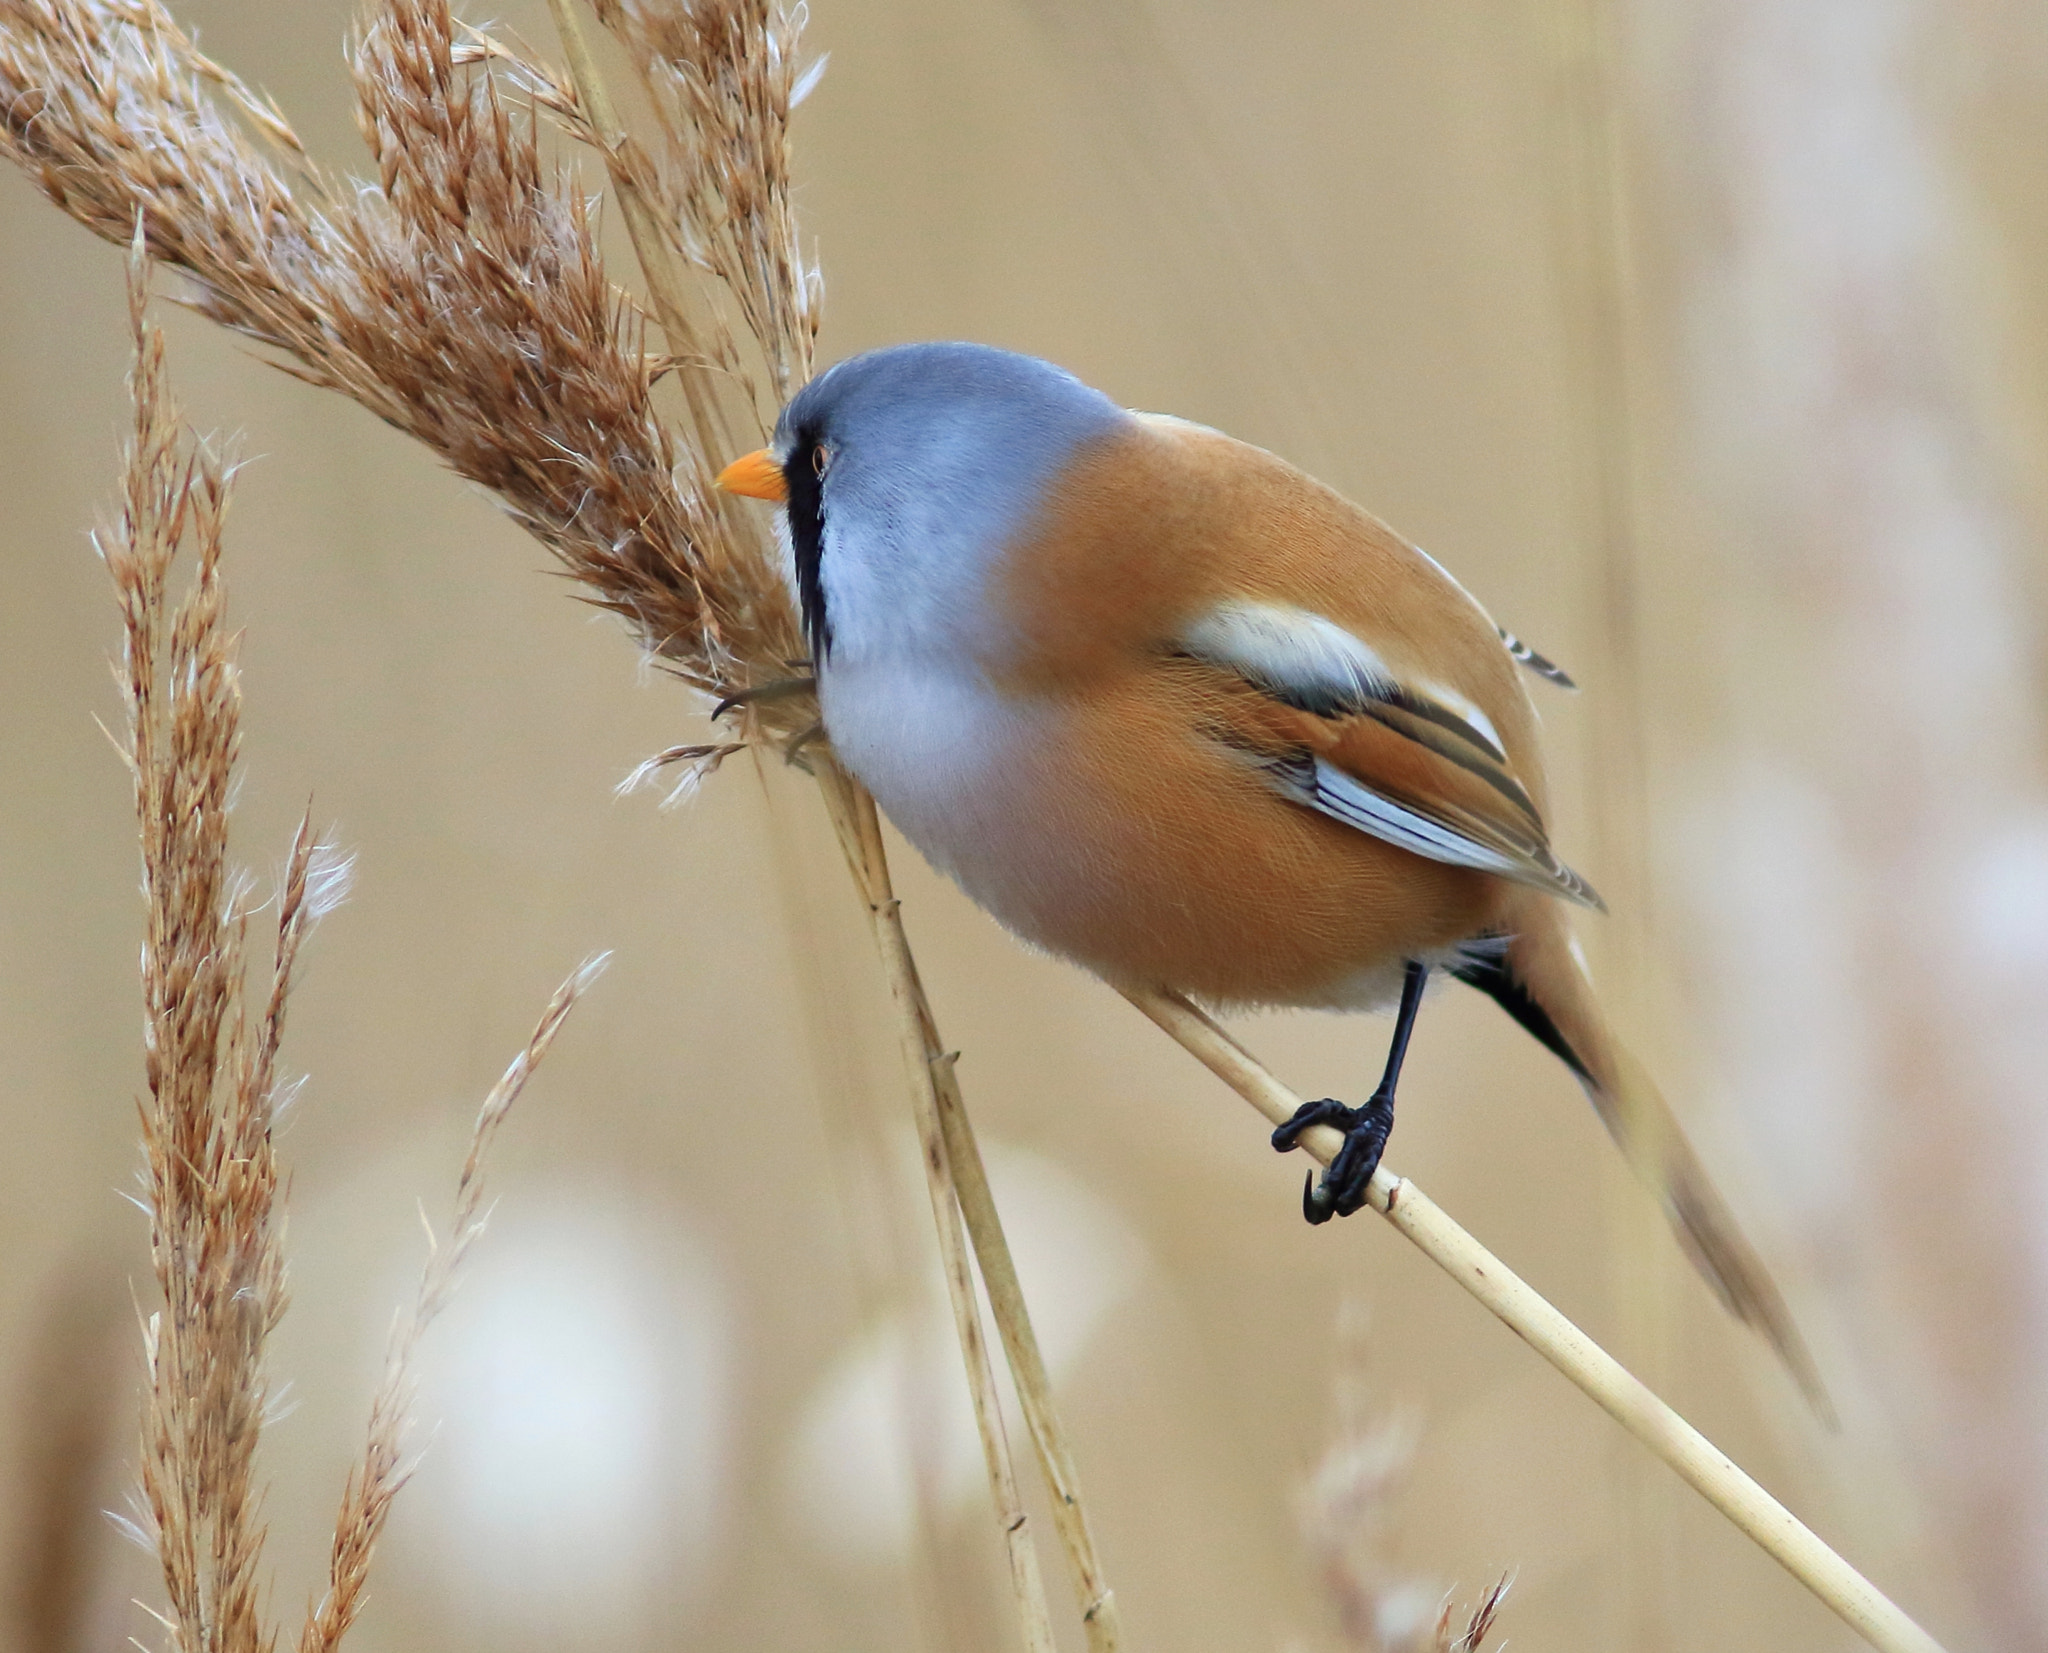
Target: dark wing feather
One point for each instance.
(1384, 757)
(1549, 671)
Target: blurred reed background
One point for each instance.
(1706, 343)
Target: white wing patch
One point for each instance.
(1331, 791)
(1291, 653)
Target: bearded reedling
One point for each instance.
(1169, 708)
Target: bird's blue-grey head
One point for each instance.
(909, 470)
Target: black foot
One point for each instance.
(1342, 1189)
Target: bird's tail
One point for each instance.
(1540, 981)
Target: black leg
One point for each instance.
(1342, 1190)
(1412, 983)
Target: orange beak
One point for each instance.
(756, 475)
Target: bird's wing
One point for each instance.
(1336, 730)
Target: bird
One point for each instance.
(1170, 708)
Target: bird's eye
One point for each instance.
(821, 460)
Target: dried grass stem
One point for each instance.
(860, 836)
(1625, 1398)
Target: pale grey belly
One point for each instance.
(948, 761)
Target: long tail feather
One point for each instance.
(1541, 983)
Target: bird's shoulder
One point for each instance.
(1164, 526)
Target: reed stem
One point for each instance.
(977, 1205)
(946, 1139)
(853, 817)
(1624, 1397)
(1020, 1344)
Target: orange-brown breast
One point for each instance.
(1160, 852)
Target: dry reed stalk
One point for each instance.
(1099, 1613)
(723, 80)
(860, 831)
(1709, 1471)
(955, 1155)
(211, 1175)
(461, 298)
(880, 1248)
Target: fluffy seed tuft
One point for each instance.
(459, 293)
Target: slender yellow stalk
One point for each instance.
(1625, 1398)
(853, 814)
(878, 1229)
(998, 1268)
(860, 836)
(854, 818)
(1020, 1345)
(935, 1097)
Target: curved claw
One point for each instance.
(1326, 1112)
(1341, 1190)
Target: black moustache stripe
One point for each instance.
(807, 539)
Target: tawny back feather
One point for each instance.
(1164, 519)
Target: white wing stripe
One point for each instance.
(1343, 798)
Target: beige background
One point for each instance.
(1767, 479)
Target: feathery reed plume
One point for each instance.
(384, 1469)
(210, 1069)
(722, 78)
(461, 297)
(210, 1169)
